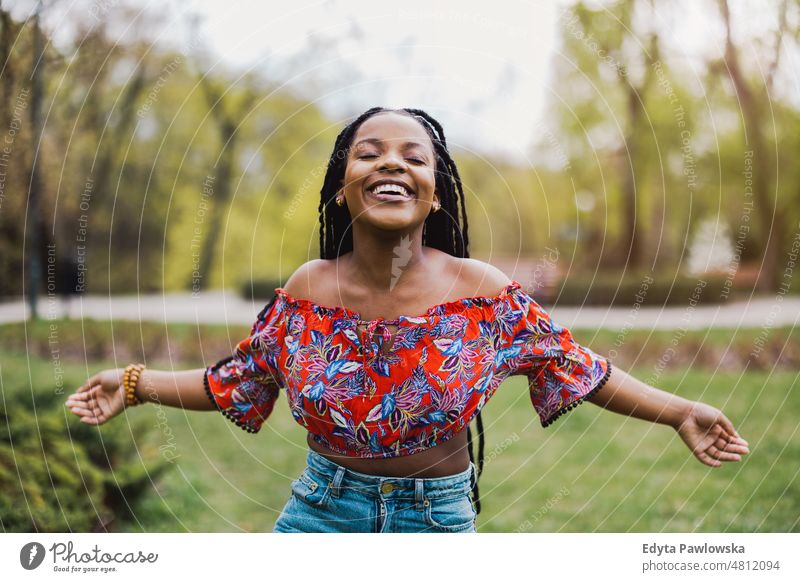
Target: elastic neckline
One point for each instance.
(436, 310)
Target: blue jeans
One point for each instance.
(330, 498)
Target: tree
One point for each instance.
(754, 100)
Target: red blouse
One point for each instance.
(368, 394)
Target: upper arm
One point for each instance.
(561, 372)
(245, 384)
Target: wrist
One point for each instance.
(130, 382)
(144, 387)
(683, 410)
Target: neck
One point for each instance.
(381, 259)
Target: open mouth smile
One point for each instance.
(389, 190)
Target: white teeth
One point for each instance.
(391, 188)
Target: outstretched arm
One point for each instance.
(707, 432)
(102, 397)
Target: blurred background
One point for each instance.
(630, 163)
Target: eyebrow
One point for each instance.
(376, 140)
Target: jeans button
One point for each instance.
(387, 488)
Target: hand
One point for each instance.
(100, 399)
(711, 436)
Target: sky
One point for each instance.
(480, 72)
(485, 70)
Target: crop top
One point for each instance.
(360, 399)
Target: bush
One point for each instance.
(58, 474)
(259, 289)
(644, 289)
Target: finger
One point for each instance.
(728, 425)
(76, 399)
(731, 447)
(740, 441)
(92, 420)
(89, 383)
(81, 411)
(715, 433)
(94, 394)
(715, 453)
(707, 460)
(87, 410)
(735, 440)
(729, 457)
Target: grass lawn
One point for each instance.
(592, 470)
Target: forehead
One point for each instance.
(393, 127)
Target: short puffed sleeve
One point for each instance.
(561, 373)
(245, 385)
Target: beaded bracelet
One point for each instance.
(130, 379)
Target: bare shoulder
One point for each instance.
(308, 278)
(482, 278)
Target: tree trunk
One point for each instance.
(764, 206)
(226, 165)
(631, 240)
(7, 30)
(222, 195)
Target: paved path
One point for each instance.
(227, 307)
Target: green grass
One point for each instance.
(624, 474)
(592, 470)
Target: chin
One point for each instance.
(388, 220)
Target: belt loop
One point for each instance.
(336, 482)
(419, 492)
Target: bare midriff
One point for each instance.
(447, 458)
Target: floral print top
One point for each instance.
(373, 393)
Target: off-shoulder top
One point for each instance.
(372, 393)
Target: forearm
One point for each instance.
(625, 394)
(181, 389)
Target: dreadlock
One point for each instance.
(441, 230)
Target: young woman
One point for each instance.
(391, 343)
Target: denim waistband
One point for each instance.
(387, 487)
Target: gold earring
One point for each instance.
(436, 207)
(339, 201)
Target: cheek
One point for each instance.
(355, 174)
(429, 179)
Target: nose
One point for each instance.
(392, 161)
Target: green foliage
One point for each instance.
(608, 290)
(132, 138)
(58, 474)
(245, 479)
(262, 289)
(624, 103)
(622, 474)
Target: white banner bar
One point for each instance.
(400, 557)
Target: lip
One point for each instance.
(390, 197)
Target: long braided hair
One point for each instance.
(441, 230)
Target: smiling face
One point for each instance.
(390, 180)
